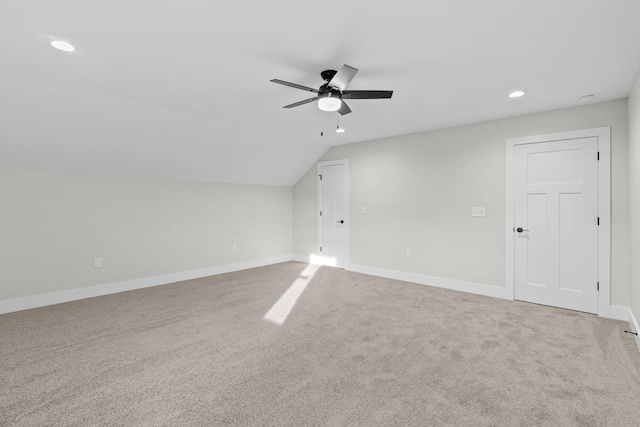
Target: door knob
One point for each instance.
(520, 230)
(340, 222)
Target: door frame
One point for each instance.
(320, 258)
(603, 135)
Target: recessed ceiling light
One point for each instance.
(60, 45)
(517, 94)
(339, 129)
(587, 98)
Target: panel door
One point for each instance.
(332, 218)
(556, 223)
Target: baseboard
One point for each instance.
(616, 312)
(613, 312)
(302, 258)
(633, 323)
(129, 285)
(456, 285)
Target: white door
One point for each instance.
(332, 213)
(556, 223)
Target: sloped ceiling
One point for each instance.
(180, 89)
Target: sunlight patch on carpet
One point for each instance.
(323, 260)
(281, 309)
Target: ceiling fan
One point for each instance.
(332, 94)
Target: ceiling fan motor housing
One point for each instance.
(327, 75)
(325, 88)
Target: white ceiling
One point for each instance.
(180, 89)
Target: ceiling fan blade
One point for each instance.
(344, 109)
(297, 104)
(294, 85)
(366, 94)
(343, 77)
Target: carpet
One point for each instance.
(354, 350)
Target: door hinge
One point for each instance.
(320, 248)
(320, 213)
(320, 177)
(598, 220)
(598, 155)
(598, 286)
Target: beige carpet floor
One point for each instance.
(355, 350)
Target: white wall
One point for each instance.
(304, 214)
(419, 190)
(53, 225)
(634, 195)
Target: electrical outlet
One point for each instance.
(479, 211)
(97, 262)
(364, 209)
(235, 247)
(408, 253)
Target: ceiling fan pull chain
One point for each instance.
(338, 128)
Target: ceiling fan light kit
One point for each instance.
(329, 101)
(332, 94)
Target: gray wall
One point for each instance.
(419, 190)
(634, 195)
(53, 225)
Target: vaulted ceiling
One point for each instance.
(180, 89)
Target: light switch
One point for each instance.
(364, 209)
(478, 211)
